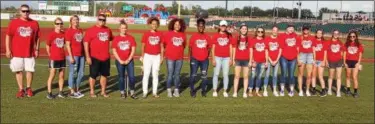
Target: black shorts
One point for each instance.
(99, 67)
(56, 64)
(351, 63)
(242, 63)
(337, 64)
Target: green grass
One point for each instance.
(185, 109)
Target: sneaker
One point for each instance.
(29, 92)
(204, 94)
(79, 95)
(145, 95)
(300, 93)
(73, 95)
(20, 94)
(308, 93)
(313, 92)
(348, 93)
(235, 95)
(282, 93)
(250, 94)
(169, 92)
(338, 94)
(355, 95)
(225, 94)
(61, 95)
(265, 94)
(50, 96)
(123, 95)
(291, 93)
(244, 95)
(192, 94)
(330, 92)
(133, 97)
(275, 94)
(324, 93)
(176, 93)
(214, 94)
(155, 96)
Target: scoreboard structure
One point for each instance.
(78, 5)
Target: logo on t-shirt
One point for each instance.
(177, 41)
(273, 46)
(291, 41)
(319, 47)
(123, 45)
(306, 44)
(153, 40)
(352, 49)
(259, 47)
(201, 43)
(223, 41)
(103, 36)
(335, 48)
(25, 31)
(59, 42)
(242, 46)
(78, 37)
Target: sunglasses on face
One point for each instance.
(103, 20)
(260, 32)
(25, 11)
(352, 36)
(59, 23)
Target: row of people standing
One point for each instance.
(259, 53)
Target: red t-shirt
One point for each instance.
(273, 45)
(289, 46)
(99, 38)
(320, 47)
(23, 36)
(152, 42)
(75, 37)
(123, 45)
(56, 42)
(175, 43)
(306, 44)
(242, 48)
(259, 50)
(352, 51)
(222, 43)
(334, 50)
(200, 44)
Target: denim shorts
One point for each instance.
(306, 58)
(242, 63)
(318, 63)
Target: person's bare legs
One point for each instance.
(314, 75)
(355, 80)
(300, 77)
(103, 84)
(61, 79)
(237, 72)
(308, 77)
(321, 77)
(19, 79)
(348, 78)
(29, 79)
(50, 79)
(338, 81)
(245, 80)
(330, 79)
(92, 85)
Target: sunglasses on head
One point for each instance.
(59, 23)
(25, 11)
(103, 20)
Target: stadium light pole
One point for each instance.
(317, 11)
(94, 10)
(179, 9)
(292, 8)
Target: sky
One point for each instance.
(351, 6)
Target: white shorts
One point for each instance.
(20, 64)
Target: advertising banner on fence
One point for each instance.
(139, 21)
(5, 16)
(129, 20)
(163, 22)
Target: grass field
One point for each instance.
(185, 109)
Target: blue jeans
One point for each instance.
(287, 67)
(194, 65)
(76, 70)
(129, 68)
(221, 62)
(174, 70)
(256, 75)
(274, 74)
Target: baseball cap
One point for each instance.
(223, 22)
(290, 25)
(305, 27)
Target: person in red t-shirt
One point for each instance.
(96, 45)
(259, 63)
(222, 56)
(288, 59)
(274, 53)
(305, 59)
(55, 50)
(335, 51)
(123, 48)
(199, 48)
(320, 62)
(22, 46)
(241, 53)
(352, 61)
(75, 56)
(174, 42)
(152, 56)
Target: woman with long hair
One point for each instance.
(320, 62)
(221, 56)
(334, 56)
(352, 61)
(242, 60)
(75, 56)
